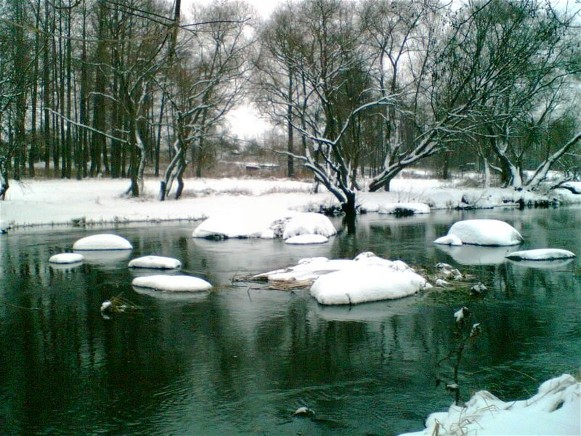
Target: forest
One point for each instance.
(354, 90)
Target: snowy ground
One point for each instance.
(38, 202)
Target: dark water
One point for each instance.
(242, 359)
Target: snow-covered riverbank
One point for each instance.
(93, 201)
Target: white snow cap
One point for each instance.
(179, 283)
(309, 223)
(307, 240)
(155, 262)
(481, 232)
(541, 254)
(364, 283)
(102, 242)
(66, 258)
(555, 410)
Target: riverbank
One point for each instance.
(101, 201)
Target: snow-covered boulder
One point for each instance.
(365, 283)
(104, 241)
(404, 208)
(66, 258)
(554, 410)
(481, 232)
(155, 262)
(307, 240)
(226, 226)
(541, 254)
(178, 283)
(309, 223)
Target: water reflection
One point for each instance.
(243, 359)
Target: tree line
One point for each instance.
(361, 88)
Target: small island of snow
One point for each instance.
(155, 262)
(102, 242)
(488, 232)
(341, 281)
(307, 240)
(309, 223)
(554, 410)
(66, 258)
(267, 226)
(541, 254)
(179, 283)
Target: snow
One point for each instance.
(487, 232)
(309, 224)
(103, 200)
(541, 254)
(260, 223)
(411, 208)
(104, 241)
(178, 283)
(554, 410)
(155, 262)
(307, 239)
(66, 258)
(364, 279)
(365, 283)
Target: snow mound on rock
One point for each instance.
(481, 232)
(102, 242)
(309, 223)
(541, 254)
(307, 240)
(179, 283)
(365, 283)
(554, 410)
(66, 258)
(155, 262)
(343, 281)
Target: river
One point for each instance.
(241, 359)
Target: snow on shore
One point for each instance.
(96, 201)
(554, 410)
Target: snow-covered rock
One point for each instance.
(267, 226)
(307, 240)
(481, 232)
(309, 223)
(403, 208)
(66, 258)
(541, 254)
(554, 410)
(364, 283)
(178, 283)
(155, 262)
(102, 242)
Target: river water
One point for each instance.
(241, 359)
